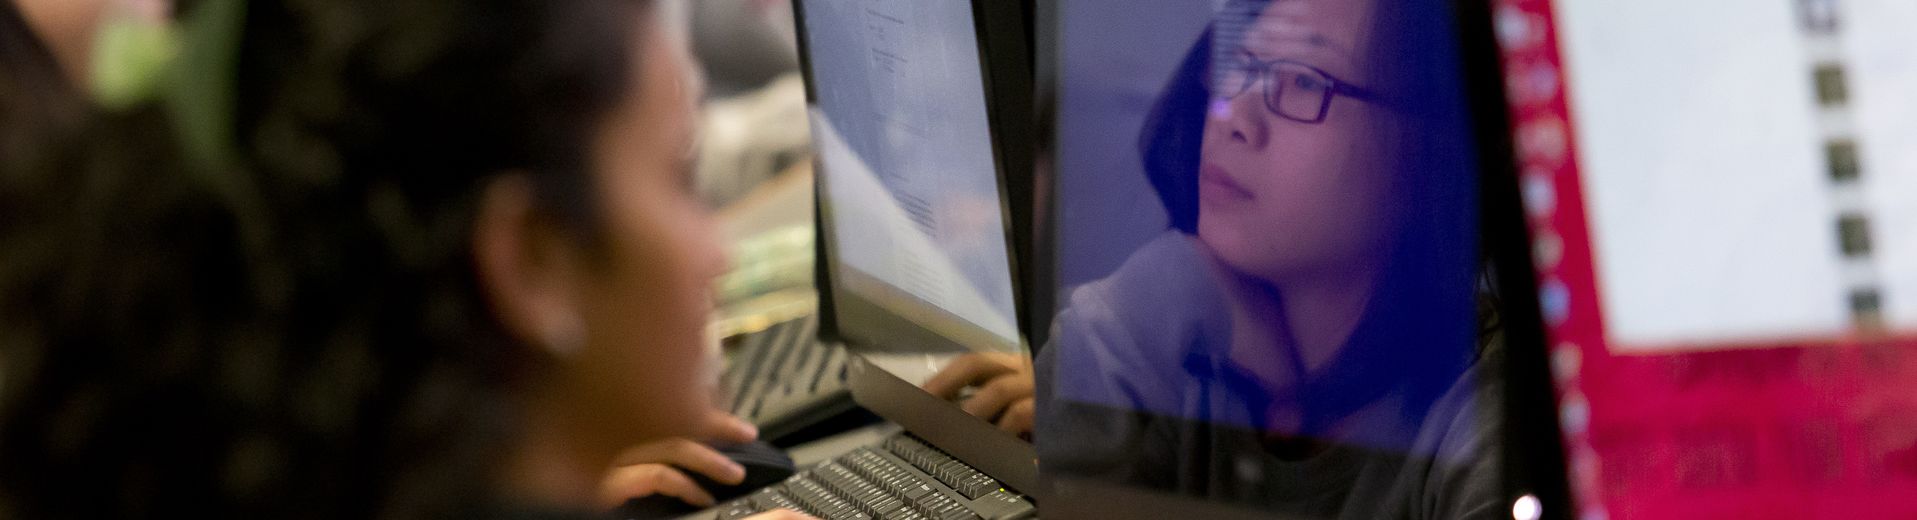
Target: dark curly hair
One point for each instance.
(301, 334)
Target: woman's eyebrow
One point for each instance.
(1286, 26)
(1271, 39)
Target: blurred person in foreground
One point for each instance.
(366, 259)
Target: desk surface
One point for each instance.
(784, 200)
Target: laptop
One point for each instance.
(911, 105)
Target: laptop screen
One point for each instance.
(1724, 217)
(910, 190)
(1269, 287)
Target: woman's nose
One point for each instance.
(1244, 118)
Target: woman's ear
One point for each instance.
(526, 267)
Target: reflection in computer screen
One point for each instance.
(1299, 333)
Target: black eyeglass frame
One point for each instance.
(1266, 72)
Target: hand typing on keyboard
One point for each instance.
(1005, 395)
(657, 468)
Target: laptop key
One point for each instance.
(831, 364)
(919, 491)
(886, 506)
(769, 499)
(763, 370)
(1003, 504)
(935, 502)
(738, 510)
(977, 485)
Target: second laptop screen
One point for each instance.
(909, 179)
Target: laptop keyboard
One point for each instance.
(783, 378)
(899, 479)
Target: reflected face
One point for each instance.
(1280, 198)
(645, 298)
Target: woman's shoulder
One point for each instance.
(1167, 277)
(1134, 327)
(1461, 441)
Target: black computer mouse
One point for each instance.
(764, 465)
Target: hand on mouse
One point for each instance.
(657, 468)
(1005, 395)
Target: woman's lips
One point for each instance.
(1217, 185)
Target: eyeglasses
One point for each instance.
(1293, 90)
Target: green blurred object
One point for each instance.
(200, 85)
(188, 66)
(770, 281)
(768, 262)
(130, 57)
